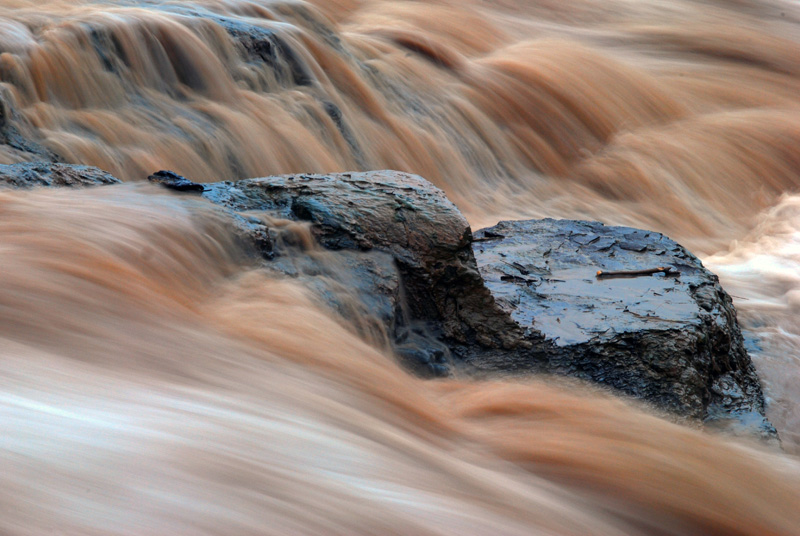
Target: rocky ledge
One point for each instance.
(400, 262)
(32, 174)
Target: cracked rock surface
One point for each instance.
(670, 339)
(524, 297)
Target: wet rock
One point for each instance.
(252, 230)
(263, 45)
(12, 135)
(260, 45)
(426, 238)
(364, 288)
(173, 181)
(399, 214)
(425, 362)
(671, 339)
(33, 174)
(255, 233)
(361, 287)
(528, 300)
(394, 258)
(25, 147)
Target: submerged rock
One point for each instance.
(13, 130)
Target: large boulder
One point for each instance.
(528, 299)
(403, 258)
(669, 337)
(399, 214)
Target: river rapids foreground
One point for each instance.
(154, 384)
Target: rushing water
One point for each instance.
(154, 383)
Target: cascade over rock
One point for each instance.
(520, 297)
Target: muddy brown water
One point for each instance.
(154, 383)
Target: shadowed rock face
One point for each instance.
(670, 339)
(398, 262)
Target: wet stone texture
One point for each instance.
(672, 340)
(33, 174)
(410, 239)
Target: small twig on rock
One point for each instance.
(666, 270)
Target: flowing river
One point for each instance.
(153, 382)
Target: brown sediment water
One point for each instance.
(154, 383)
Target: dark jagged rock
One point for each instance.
(32, 174)
(670, 339)
(173, 181)
(362, 217)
